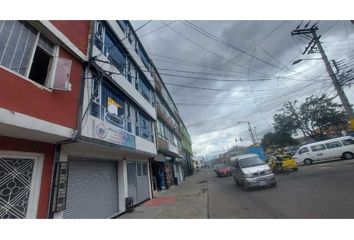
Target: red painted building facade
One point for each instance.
(41, 70)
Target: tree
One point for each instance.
(277, 140)
(313, 118)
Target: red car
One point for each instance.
(223, 170)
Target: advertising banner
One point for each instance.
(109, 133)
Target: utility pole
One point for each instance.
(255, 133)
(310, 33)
(251, 133)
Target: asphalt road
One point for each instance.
(324, 190)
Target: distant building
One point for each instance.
(198, 162)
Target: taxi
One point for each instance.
(282, 162)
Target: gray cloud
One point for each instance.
(211, 116)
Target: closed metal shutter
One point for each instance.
(92, 189)
(143, 182)
(138, 181)
(132, 182)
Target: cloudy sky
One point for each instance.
(223, 72)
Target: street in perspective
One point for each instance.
(310, 193)
(176, 119)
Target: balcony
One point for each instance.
(168, 148)
(157, 83)
(165, 117)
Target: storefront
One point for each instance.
(170, 176)
(92, 189)
(158, 171)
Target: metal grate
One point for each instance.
(15, 185)
(92, 189)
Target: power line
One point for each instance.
(215, 38)
(156, 29)
(202, 47)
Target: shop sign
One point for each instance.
(108, 133)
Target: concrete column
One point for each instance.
(122, 184)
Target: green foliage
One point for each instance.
(279, 139)
(313, 117)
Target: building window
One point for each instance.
(113, 52)
(25, 51)
(114, 106)
(143, 87)
(137, 128)
(108, 104)
(145, 127)
(107, 43)
(123, 25)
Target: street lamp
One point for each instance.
(250, 130)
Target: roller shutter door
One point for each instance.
(92, 189)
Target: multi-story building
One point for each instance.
(186, 145)
(41, 65)
(109, 163)
(79, 113)
(167, 167)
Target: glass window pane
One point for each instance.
(318, 147)
(17, 41)
(144, 169)
(29, 46)
(4, 36)
(11, 44)
(46, 45)
(114, 53)
(114, 105)
(139, 169)
(145, 89)
(303, 150)
(347, 142)
(333, 144)
(20, 49)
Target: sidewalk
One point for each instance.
(187, 200)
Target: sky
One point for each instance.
(249, 63)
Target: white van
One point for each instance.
(249, 171)
(336, 148)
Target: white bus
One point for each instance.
(336, 148)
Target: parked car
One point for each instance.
(250, 171)
(223, 170)
(336, 148)
(282, 163)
